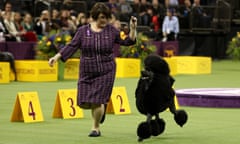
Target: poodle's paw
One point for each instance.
(157, 127)
(143, 131)
(140, 139)
(161, 125)
(181, 117)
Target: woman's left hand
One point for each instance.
(133, 23)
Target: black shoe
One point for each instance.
(94, 134)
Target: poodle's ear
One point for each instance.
(145, 81)
(141, 90)
(147, 74)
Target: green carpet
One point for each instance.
(205, 125)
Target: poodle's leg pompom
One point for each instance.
(143, 131)
(154, 128)
(180, 117)
(161, 125)
(157, 126)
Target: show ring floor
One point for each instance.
(209, 97)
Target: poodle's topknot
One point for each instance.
(156, 64)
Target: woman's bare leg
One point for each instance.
(97, 113)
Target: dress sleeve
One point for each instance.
(72, 47)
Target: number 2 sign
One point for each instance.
(66, 105)
(119, 102)
(27, 108)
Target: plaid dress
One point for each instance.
(97, 63)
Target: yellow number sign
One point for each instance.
(176, 102)
(66, 105)
(27, 108)
(119, 102)
(4, 72)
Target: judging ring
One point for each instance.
(209, 97)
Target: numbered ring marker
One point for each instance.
(119, 102)
(27, 108)
(66, 105)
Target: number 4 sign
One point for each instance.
(27, 108)
(119, 102)
(66, 105)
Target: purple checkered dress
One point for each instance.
(97, 64)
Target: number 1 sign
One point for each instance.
(27, 108)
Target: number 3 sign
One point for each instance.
(27, 108)
(119, 102)
(66, 105)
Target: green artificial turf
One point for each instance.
(205, 125)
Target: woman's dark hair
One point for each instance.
(100, 8)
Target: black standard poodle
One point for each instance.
(8, 57)
(154, 94)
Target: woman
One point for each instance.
(27, 25)
(81, 19)
(27, 22)
(10, 26)
(8, 9)
(97, 64)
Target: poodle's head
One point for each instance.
(156, 64)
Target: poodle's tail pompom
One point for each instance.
(157, 126)
(181, 117)
(144, 131)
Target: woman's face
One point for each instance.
(28, 18)
(102, 21)
(55, 13)
(169, 13)
(17, 16)
(8, 7)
